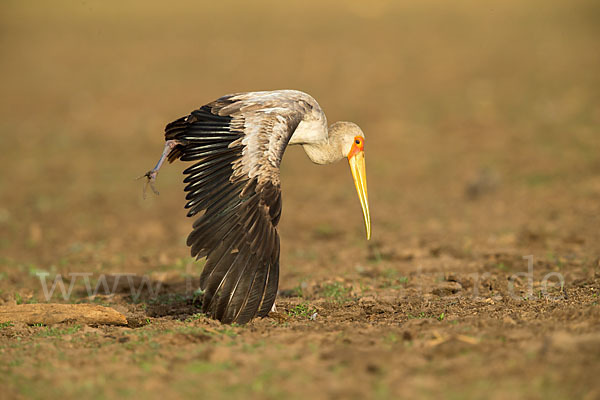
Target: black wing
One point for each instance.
(234, 187)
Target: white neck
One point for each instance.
(316, 141)
(322, 153)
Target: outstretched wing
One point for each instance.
(237, 143)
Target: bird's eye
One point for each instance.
(357, 141)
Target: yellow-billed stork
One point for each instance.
(237, 143)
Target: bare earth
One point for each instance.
(483, 154)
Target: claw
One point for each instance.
(150, 179)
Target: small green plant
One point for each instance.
(297, 291)
(228, 332)
(421, 315)
(52, 331)
(253, 347)
(555, 258)
(15, 362)
(197, 296)
(5, 324)
(136, 299)
(376, 256)
(442, 316)
(391, 338)
(337, 292)
(392, 279)
(34, 271)
(195, 317)
(302, 310)
(206, 367)
(20, 300)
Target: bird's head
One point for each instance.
(351, 141)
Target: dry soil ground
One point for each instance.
(483, 147)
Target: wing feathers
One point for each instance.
(237, 143)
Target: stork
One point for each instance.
(237, 143)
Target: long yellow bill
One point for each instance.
(359, 173)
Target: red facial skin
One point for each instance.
(357, 146)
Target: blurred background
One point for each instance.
(457, 101)
(448, 95)
(481, 120)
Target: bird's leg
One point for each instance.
(151, 175)
(280, 317)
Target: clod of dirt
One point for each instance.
(367, 301)
(447, 288)
(279, 317)
(136, 321)
(49, 314)
(373, 368)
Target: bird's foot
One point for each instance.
(150, 179)
(279, 317)
(151, 175)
